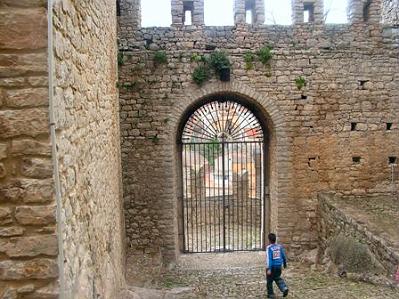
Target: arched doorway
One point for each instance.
(223, 166)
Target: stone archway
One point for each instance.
(268, 113)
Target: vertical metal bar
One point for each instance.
(204, 199)
(209, 198)
(250, 197)
(246, 196)
(224, 195)
(195, 198)
(228, 197)
(187, 201)
(241, 198)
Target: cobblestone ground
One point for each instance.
(241, 275)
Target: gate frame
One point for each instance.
(266, 124)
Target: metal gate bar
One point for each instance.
(223, 196)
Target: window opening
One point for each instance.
(249, 17)
(308, 12)
(250, 11)
(388, 126)
(392, 160)
(366, 11)
(188, 18)
(188, 9)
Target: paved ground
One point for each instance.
(241, 275)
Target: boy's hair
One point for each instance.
(272, 238)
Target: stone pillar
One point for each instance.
(130, 13)
(368, 11)
(297, 11)
(179, 8)
(198, 13)
(256, 6)
(259, 13)
(315, 8)
(239, 12)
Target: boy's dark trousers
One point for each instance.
(275, 276)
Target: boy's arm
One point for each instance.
(284, 257)
(268, 261)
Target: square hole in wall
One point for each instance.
(304, 97)
(392, 160)
(388, 126)
(353, 126)
(362, 84)
(356, 159)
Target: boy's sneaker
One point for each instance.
(285, 293)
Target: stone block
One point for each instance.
(33, 269)
(11, 231)
(3, 150)
(36, 215)
(22, 147)
(27, 191)
(29, 122)
(23, 28)
(29, 97)
(37, 168)
(29, 246)
(3, 170)
(49, 291)
(24, 3)
(5, 216)
(13, 65)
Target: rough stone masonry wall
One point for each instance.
(390, 12)
(28, 243)
(334, 222)
(88, 141)
(351, 74)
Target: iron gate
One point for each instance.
(223, 184)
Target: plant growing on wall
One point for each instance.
(121, 58)
(201, 74)
(160, 57)
(265, 54)
(249, 59)
(300, 82)
(219, 61)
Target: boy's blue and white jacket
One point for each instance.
(275, 256)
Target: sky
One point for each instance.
(220, 12)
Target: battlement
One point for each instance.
(191, 12)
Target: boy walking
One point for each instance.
(275, 259)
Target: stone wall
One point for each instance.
(336, 133)
(88, 143)
(390, 12)
(28, 242)
(335, 222)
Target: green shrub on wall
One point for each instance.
(300, 82)
(160, 57)
(249, 59)
(201, 74)
(265, 54)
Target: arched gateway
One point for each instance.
(223, 169)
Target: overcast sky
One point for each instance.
(220, 12)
